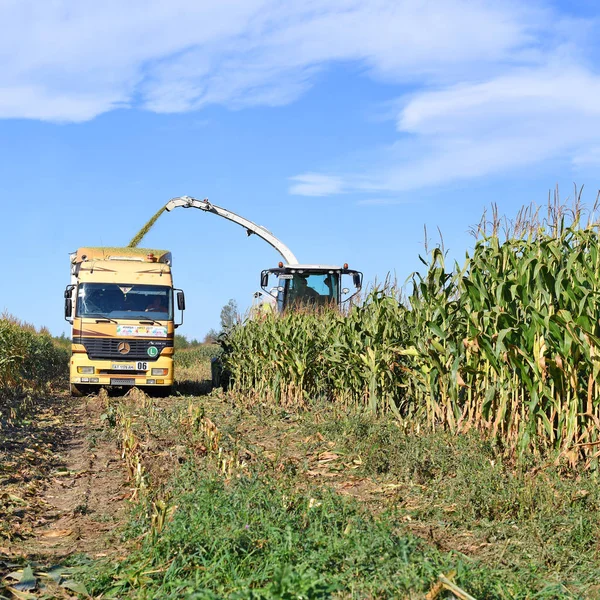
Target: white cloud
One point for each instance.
(71, 60)
(313, 184)
(499, 85)
(472, 130)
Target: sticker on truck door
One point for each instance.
(141, 331)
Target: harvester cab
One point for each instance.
(311, 285)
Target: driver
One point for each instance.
(157, 304)
(303, 290)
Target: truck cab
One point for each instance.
(122, 306)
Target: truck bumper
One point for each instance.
(156, 373)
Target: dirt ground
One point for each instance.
(62, 487)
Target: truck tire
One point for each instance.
(77, 391)
(161, 392)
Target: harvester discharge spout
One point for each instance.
(249, 226)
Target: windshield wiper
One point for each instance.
(106, 320)
(149, 322)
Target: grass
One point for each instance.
(247, 539)
(536, 517)
(246, 500)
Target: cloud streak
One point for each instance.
(473, 130)
(313, 184)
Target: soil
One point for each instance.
(64, 487)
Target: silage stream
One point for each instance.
(145, 229)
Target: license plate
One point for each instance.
(139, 366)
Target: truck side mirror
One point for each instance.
(356, 279)
(68, 302)
(180, 300)
(264, 279)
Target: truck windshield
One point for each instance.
(124, 301)
(312, 288)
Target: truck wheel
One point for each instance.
(77, 391)
(159, 392)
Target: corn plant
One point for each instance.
(28, 357)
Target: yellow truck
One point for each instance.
(121, 305)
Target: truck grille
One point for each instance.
(108, 348)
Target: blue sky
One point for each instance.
(344, 127)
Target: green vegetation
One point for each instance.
(507, 344)
(195, 355)
(229, 315)
(256, 502)
(192, 368)
(28, 358)
(182, 342)
(252, 541)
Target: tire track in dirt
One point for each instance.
(80, 493)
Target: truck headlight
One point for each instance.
(160, 371)
(86, 370)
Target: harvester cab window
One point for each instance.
(115, 301)
(313, 288)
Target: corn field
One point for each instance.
(508, 343)
(27, 357)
